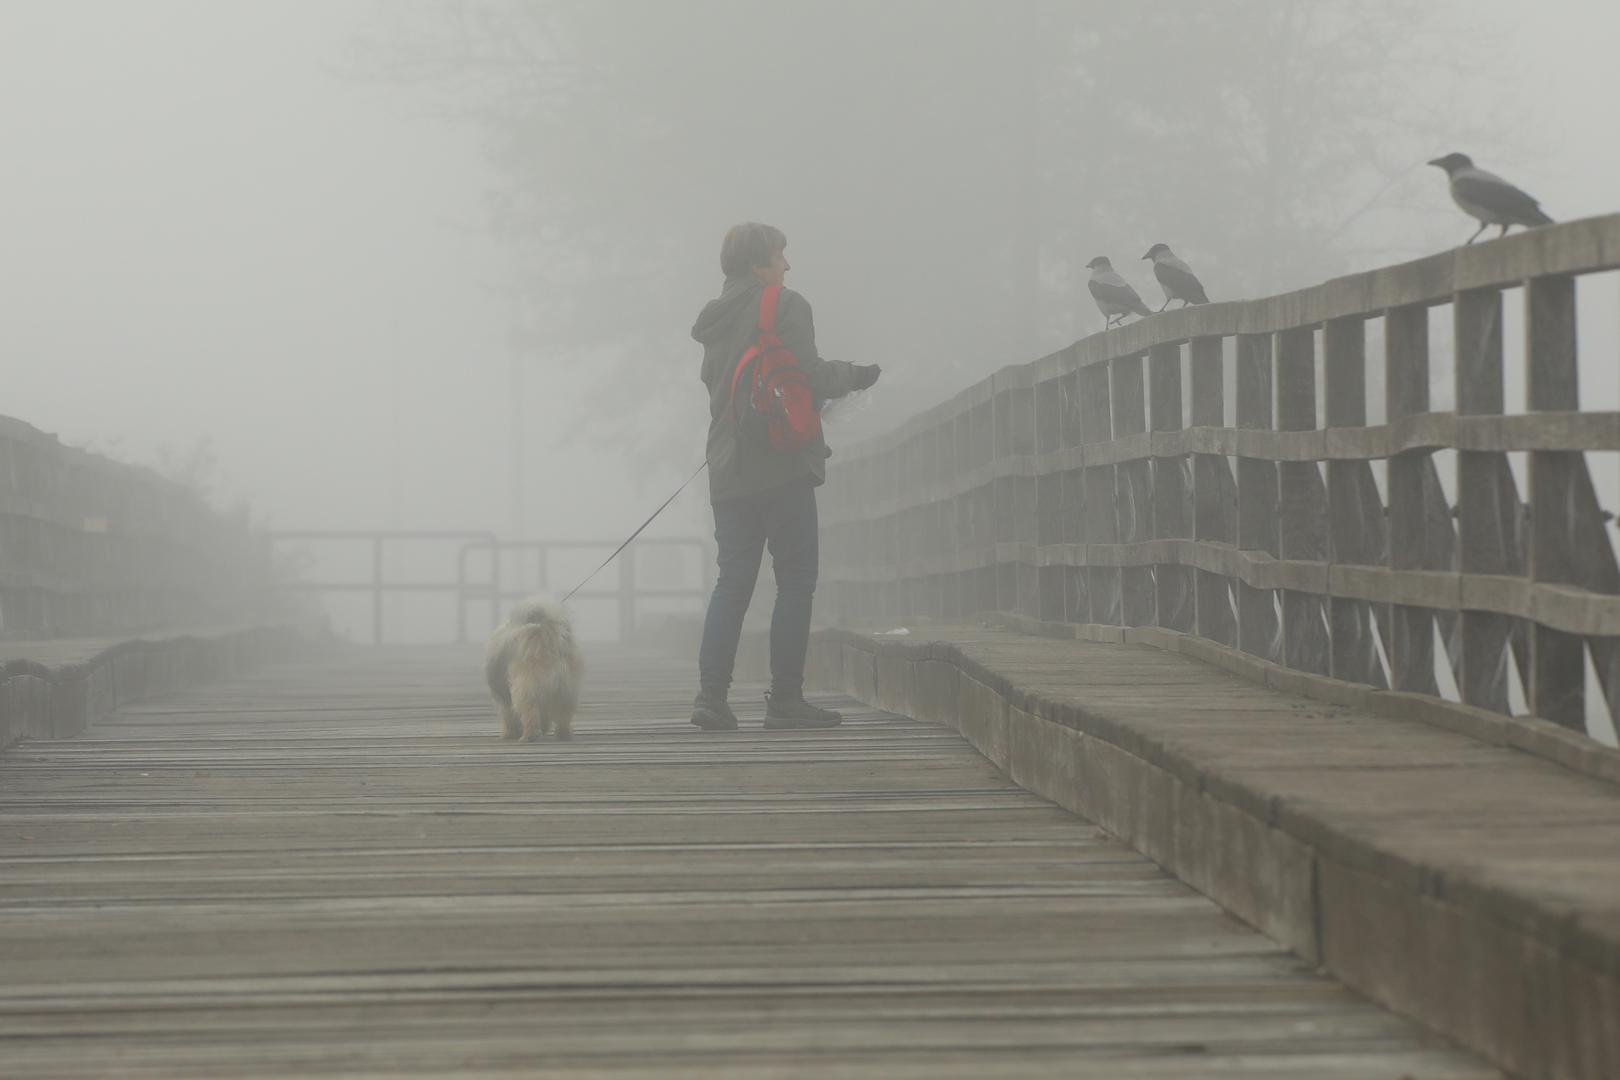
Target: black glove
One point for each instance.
(865, 375)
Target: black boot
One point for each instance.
(782, 713)
(711, 713)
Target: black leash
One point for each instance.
(635, 534)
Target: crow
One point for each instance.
(1114, 295)
(1488, 197)
(1176, 277)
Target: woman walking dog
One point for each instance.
(766, 458)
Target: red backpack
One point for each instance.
(780, 410)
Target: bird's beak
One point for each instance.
(1437, 162)
(1149, 255)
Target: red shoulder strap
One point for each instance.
(747, 358)
(767, 324)
(767, 307)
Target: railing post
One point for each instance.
(872, 536)
(897, 560)
(1490, 517)
(1568, 544)
(1302, 520)
(1051, 583)
(1172, 508)
(1355, 513)
(1100, 520)
(930, 511)
(1421, 534)
(1258, 629)
(908, 528)
(958, 515)
(1020, 451)
(1214, 491)
(1004, 524)
(1072, 508)
(981, 434)
(1133, 497)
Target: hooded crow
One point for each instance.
(1114, 295)
(1488, 197)
(1176, 277)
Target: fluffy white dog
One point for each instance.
(534, 672)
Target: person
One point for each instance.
(762, 497)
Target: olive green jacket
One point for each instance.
(726, 327)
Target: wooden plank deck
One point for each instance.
(338, 869)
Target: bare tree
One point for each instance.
(944, 166)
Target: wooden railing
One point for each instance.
(90, 547)
(1097, 486)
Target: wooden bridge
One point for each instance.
(1215, 709)
(335, 867)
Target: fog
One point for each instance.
(298, 252)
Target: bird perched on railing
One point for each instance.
(1114, 295)
(1176, 277)
(1488, 197)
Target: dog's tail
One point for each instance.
(537, 630)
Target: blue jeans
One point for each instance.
(783, 519)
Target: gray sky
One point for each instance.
(207, 234)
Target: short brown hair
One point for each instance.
(749, 245)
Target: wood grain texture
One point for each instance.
(1395, 554)
(1580, 247)
(1460, 881)
(339, 869)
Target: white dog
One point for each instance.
(534, 672)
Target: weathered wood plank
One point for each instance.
(1425, 432)
(1302, 505)
(1570, 248)
(1490, 517)
(1134, 488)
(1259, 631)
(1100, 524)
(1172, 491)
(1421, 536)
(1214, 493)
(1568, 541)
(340, 868)
(1355, 513)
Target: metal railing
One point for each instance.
(627, 590)
(490, 590)
(1074, 489)
(378, 586)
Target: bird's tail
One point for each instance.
(1541, 217)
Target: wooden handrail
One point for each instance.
(1075, 487)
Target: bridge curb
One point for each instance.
(46, 700)
(1561, 745)
(1534, 989)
